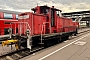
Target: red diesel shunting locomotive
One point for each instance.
(43, 27)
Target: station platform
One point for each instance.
(74, 49)
(79, 50)
(82, 30)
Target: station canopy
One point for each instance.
(84, 14)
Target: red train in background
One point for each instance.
(42, 27)
(6, 17)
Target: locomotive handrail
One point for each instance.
(24, 23)
(15, 28)
(43, 26)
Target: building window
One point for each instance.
(8, 16)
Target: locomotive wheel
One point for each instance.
(67, 37)
(75, 34)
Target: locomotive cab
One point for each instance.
(41, 10)
(51, 16)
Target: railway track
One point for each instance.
(16, 55)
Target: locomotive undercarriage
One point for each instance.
(51, 39)
(47, 39)
(34, 43)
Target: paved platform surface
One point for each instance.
(74, 49)
(79, 50)
(84, 29)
